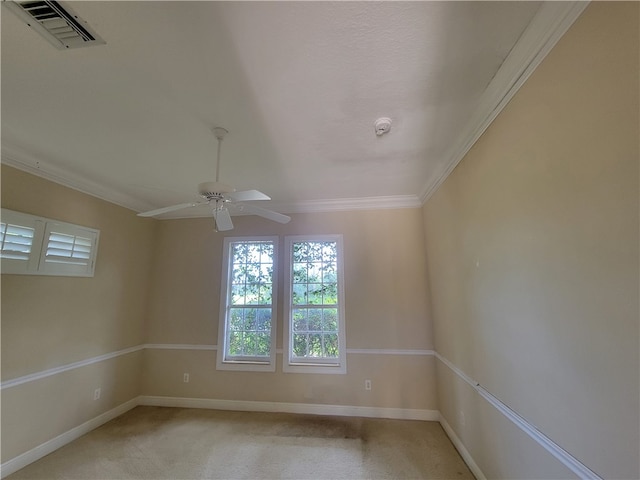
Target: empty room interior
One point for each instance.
(420, 214)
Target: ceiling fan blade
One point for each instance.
(172, 208)
(223, 220)
(263, 212)
(247, 195)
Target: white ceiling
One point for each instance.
(297, 84)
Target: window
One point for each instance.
(315, 332)
(246, 336)
(31, 245)
(68, 250)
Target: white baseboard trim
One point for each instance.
(30, 456)
(36, 453)
(464, 453)
(305, 408)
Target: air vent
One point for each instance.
(56, 22)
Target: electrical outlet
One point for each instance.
(367, 384)
(96, 393)
(462, 420)
(185, 378)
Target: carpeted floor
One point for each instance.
(178, 443)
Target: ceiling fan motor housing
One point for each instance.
(214, 190)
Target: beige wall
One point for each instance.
(49, 322)
(386, 308)
(36, 412)
(532, 249)
(399, 381)
(159, 282)
(533, 257)
(385, 276)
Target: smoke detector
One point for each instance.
(383, 125)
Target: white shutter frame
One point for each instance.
(71, 259)
(53, 257)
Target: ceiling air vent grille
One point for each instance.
(57, 23)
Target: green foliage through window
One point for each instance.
(250, 299)
(314, 326)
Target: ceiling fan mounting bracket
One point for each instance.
(219, 132)
(383, 125)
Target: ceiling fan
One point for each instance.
(218, 195)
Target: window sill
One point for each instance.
(246, 366)
(321, 368)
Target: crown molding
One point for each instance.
(345, 204)
(550, 23)
(27, 163)
(317, 206)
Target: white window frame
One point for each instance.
(38, 264)
(291, 365)
(267, 364)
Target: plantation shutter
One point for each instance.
(16, 241)
(20, 242)
(68, 250)
(32, 245)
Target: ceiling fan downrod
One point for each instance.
(219, 132)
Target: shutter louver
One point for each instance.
(68, 249)
(15, 241)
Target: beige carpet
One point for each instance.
(179, 443)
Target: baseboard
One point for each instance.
(24, 459)
(305, 408)
(464, 453)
